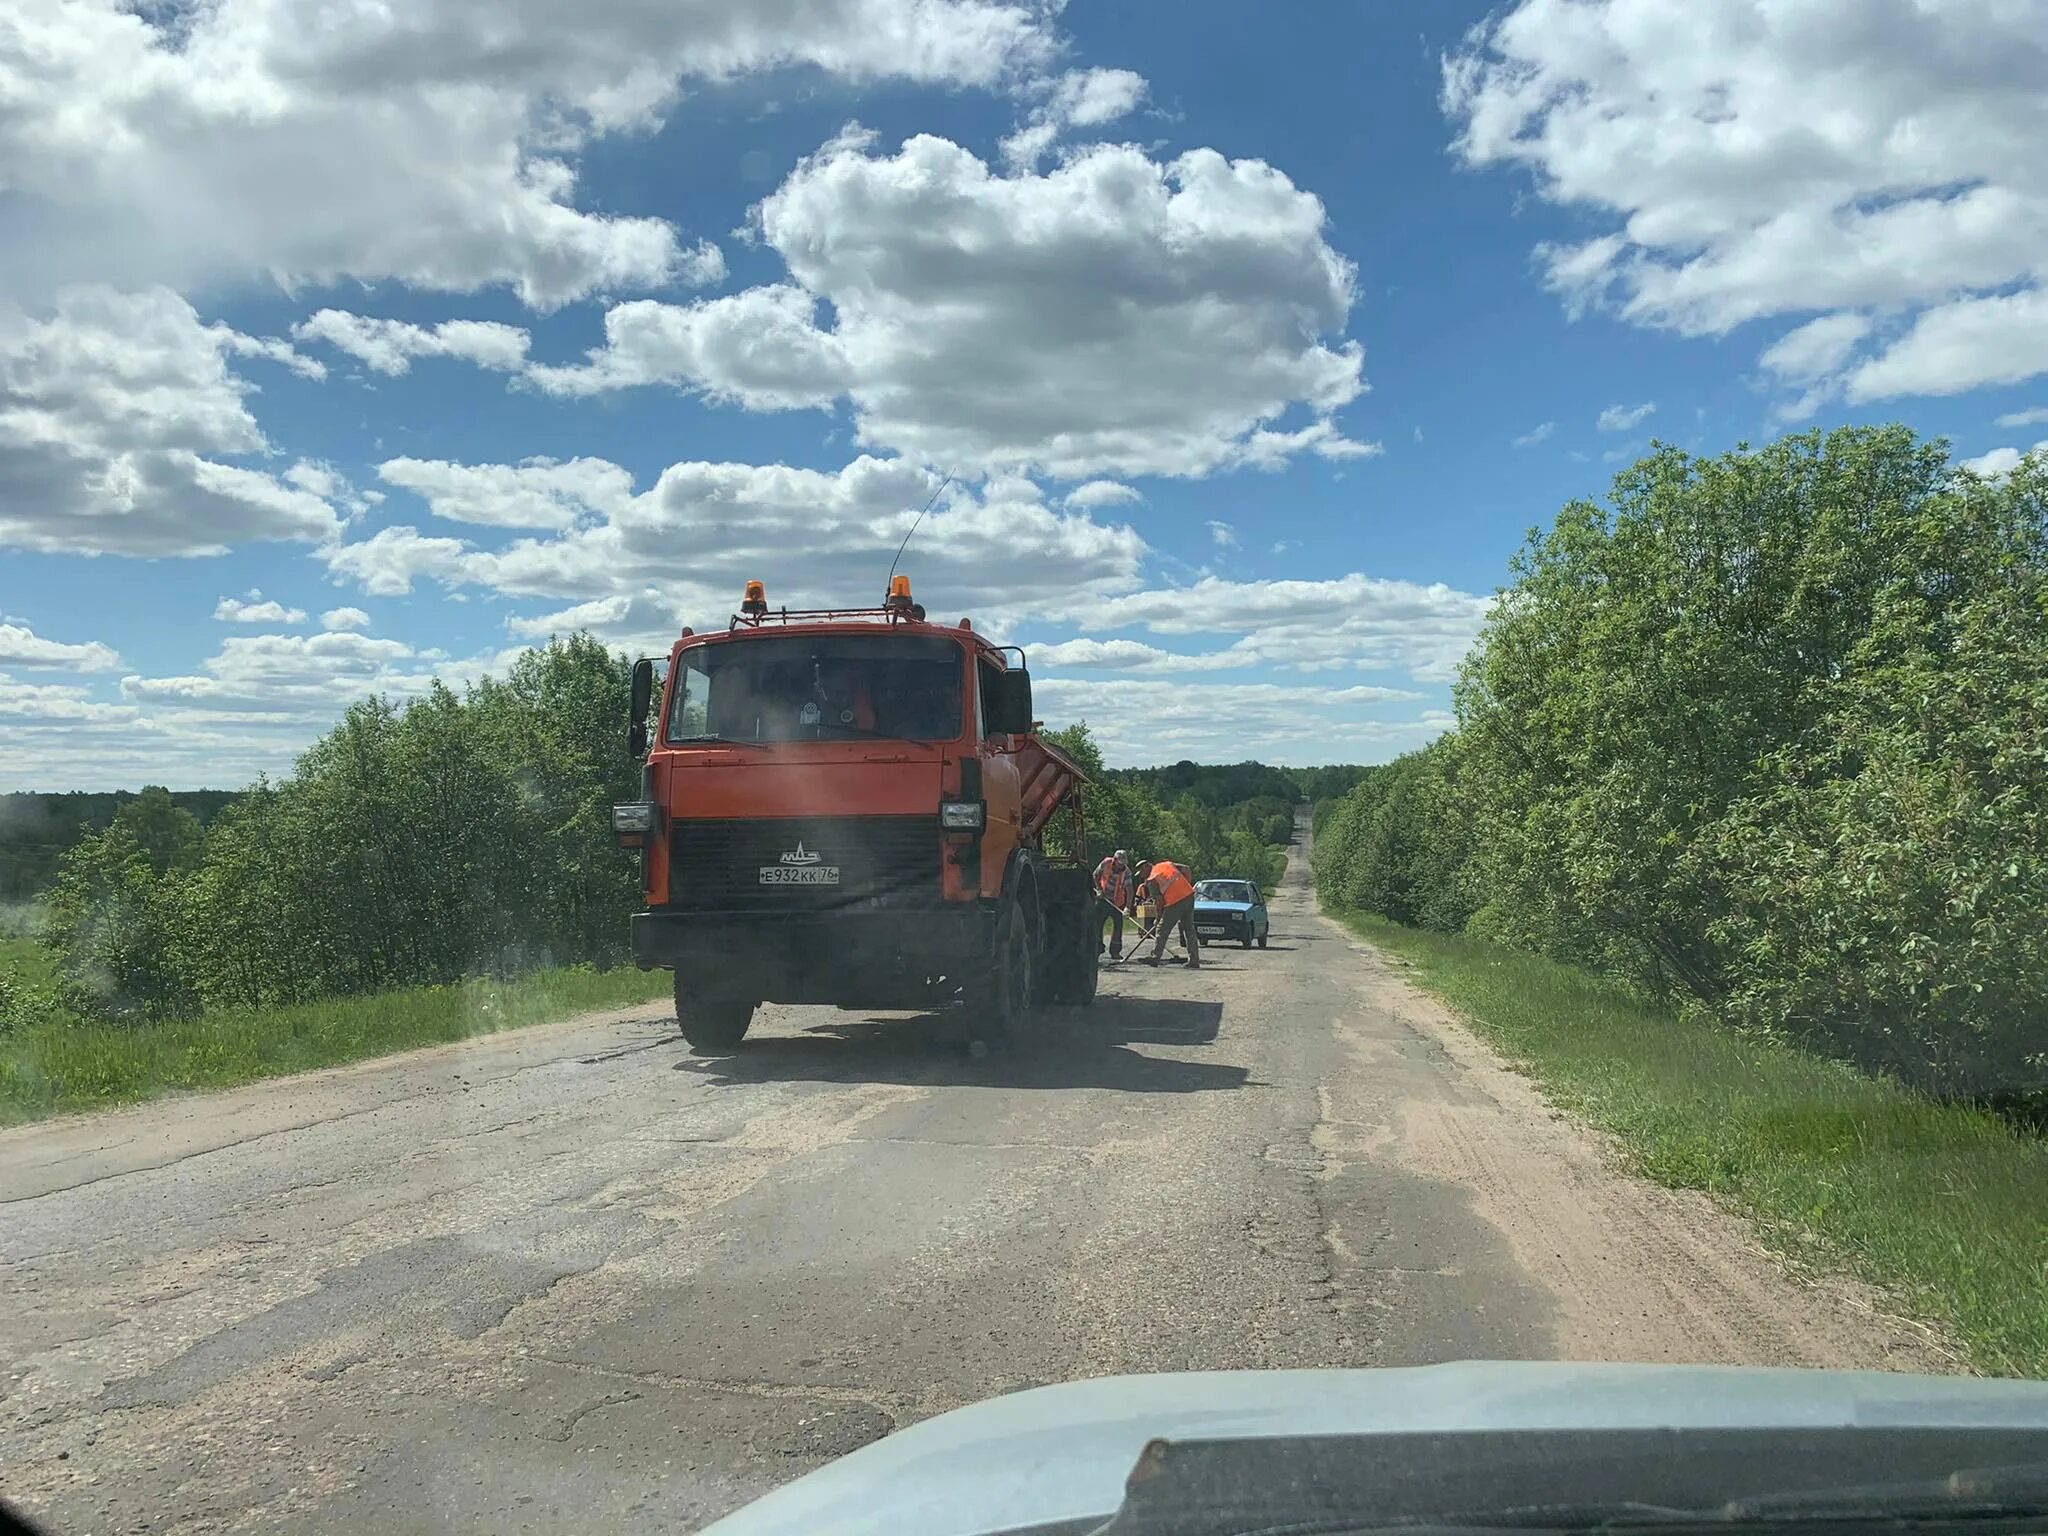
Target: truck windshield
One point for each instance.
(818, 688)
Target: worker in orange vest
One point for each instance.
(1113, 885)
(1175, 894)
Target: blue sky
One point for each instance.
(341, 358)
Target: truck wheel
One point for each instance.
(999, 1004)
(1262, 941)
(711, 1023)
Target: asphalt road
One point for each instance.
(576, 1278)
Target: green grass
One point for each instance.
(27, 961)
(63, 1064)
(1944, 1208)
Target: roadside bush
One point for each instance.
(413, 844)
(1764, 738)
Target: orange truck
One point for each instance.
(849, 807)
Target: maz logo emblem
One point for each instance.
(800, 855)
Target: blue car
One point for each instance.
(1230, 909)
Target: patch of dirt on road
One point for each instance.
(1636, 1271)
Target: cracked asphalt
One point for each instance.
(577, 1278)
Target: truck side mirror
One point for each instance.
(636, 708)
(1010, 703)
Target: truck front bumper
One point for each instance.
(852, 958)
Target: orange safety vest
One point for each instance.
(1173, 886)
(1115, 884)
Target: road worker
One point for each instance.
(1174, 893)
(1113, 885)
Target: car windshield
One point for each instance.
(779, 688)
(1225, 890)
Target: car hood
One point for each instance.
(1062, 1453)
(1222, 906)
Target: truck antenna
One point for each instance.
(913, 528)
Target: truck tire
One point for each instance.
(711, 1024)
(1068, 971)
(1000, 1000)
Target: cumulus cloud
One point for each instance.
(389, 346)
(1102, 493)
(1146, 722)
(535, 493)
(2034, 417)
(1535, 435)
(1117, 315)
(1620, 418)
(60, 703)
(344, 618)
(116, 412)
(21, 646)
(1746, 160)
(761, 349)
(1347, 622)
(686, 544)
(1999, 462)
(256, 609)
(1081, 98)
(1224, 535)
(433, 142)
(388, 562)
(1962, 345)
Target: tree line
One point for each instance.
(1220, 820)
(417, 843)
(1767, 737)
(36, 830)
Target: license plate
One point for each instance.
(1212, 932)
(799, 874)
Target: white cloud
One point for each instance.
(256, 609)
(1223, 533)
(1962, 345)
(1748, 159)
(115, 411)
(683, 548)
(344, 618)
(538, 493)
(1347, 622)
(21, 646)
(760, 348)
(389, 346)
(1101, 493)
(702, 265)
(2035, 417)
(1081, 98)
(1817, 348)
(432, 142)
(388, 562)
(56, 702)
(1141, 721)
(1535, 435)
(1116, 315)
(1999, 462)
(1620, 418)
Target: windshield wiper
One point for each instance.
(720, 741)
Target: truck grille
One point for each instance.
(880, 861)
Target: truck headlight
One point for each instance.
(963, 815)
(633, 816)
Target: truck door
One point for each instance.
(999, 786)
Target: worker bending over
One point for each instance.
(1175, 893)
(1113, 885)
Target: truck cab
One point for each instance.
(849, 807)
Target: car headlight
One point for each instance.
(963, 815)
(633, 816)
